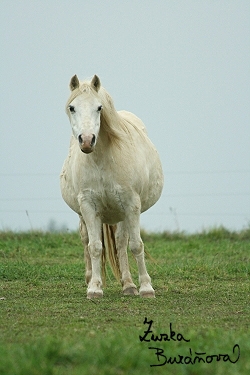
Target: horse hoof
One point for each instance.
(149, 294)
(92, 295)
(130, 291)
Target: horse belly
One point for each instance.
(112, 210)
(112, 216)
(153, 188)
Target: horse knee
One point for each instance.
(136, 247)
(95, 249)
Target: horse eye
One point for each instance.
(99, 108)
(72, 108)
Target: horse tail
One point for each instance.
(110, 251)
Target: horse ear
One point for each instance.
(74, 83)
(96, 83)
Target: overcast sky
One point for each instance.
(183, 67)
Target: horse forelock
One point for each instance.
(83, 88)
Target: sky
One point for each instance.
(183, 67)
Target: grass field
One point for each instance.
(202, 288)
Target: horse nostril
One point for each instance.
(87, 141)
(93, 140)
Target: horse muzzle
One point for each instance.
(87, 143)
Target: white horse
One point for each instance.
(111, 175)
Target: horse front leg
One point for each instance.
(95, 284)
(94, 250)
(137, 247)
(85, 240)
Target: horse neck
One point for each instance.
(103, 141)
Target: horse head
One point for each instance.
(84, 111)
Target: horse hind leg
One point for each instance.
(121, 239)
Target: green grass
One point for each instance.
(48, 327)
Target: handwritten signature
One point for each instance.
(191, 359)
